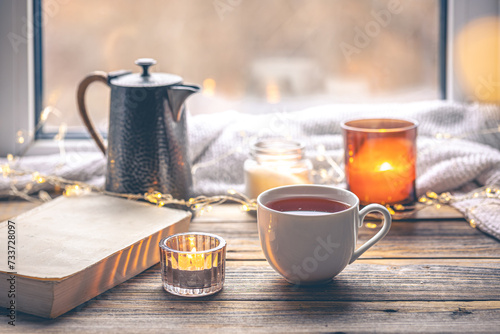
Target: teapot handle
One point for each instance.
(80, 97)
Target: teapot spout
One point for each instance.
(177, 94)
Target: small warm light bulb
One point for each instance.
(209, 87)
(231, 191)
(45, 113)
(431, 194)
(63, 128)
(399, 207)
(273, 92)
(5, 170)
(151, 198)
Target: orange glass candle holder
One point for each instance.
(380, 160)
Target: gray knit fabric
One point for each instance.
(443, 164)
(458, 147)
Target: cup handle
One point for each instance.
(383, 231)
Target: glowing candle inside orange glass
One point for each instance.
(380, 158)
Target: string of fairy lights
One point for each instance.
(332, 174)
(71, 188)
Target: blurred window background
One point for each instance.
(474, 57)
(254, 56)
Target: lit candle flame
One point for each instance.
(385, 166)
(192, 261)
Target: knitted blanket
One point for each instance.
(458, 149)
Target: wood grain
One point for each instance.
(422, 239)
(426, 275)
(9, 209)
(269, 316)
(369, 280)
(233, 212)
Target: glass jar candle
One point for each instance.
(274, 163)
(380, 160)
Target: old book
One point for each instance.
(71, 249)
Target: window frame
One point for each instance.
(21, 90)
(17, 69)
(459, 14)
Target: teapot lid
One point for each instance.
(146, 79)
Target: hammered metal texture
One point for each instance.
(147, 149)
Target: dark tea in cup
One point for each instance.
(307, 206)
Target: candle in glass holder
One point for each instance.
(380, 160)
(273, 163)
(193, 264)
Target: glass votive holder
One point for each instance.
(193, 264)
(380, 160)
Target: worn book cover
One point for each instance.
(71, 249)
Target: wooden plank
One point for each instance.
(364, 280)
(9, 209)
(232, 213)
(228, 212)
(422, 239)
(271, 316)
(431, 212)
(419, 239)
(452, 287)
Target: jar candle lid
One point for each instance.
(273, 147)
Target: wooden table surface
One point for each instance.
(426, 275)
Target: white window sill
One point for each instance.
(48, 147)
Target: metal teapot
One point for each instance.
(147, 138)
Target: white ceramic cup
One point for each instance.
(307, 249)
